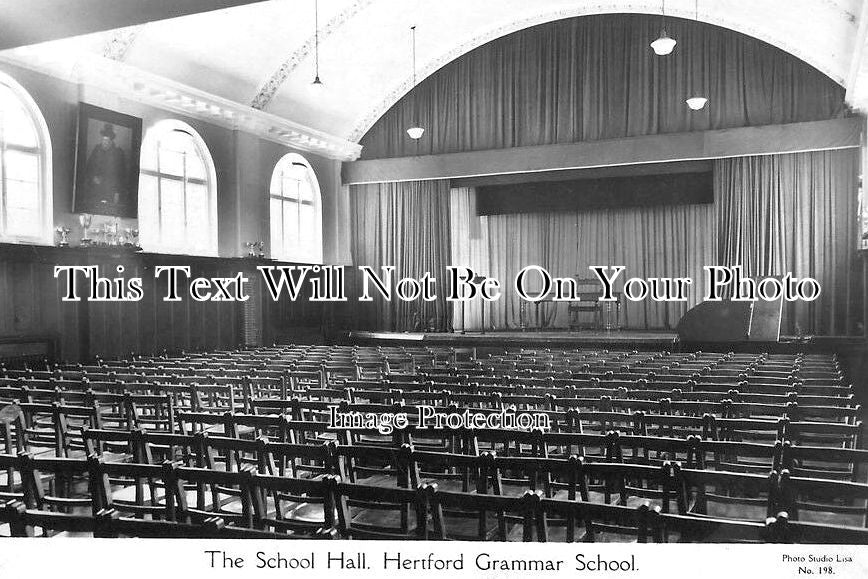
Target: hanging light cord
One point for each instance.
(316, 37)
(413, 33)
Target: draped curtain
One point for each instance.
(772, 214)
(796, 213)
(594, 77)
(405, 225)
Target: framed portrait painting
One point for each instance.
(107, 162)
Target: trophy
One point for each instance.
(64, 236)
(261, 246)
(85, 220)
(111, 233)
(131, 237)
(251, 248)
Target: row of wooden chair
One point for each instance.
(552, 462)
(245, 500)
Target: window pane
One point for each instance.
(290, 225)
(149, 225)
(195, 165)
(198, 218)
(148, 160)
(307, 233)
(172, 230)
(23, 222)
(22, 166)
(290, 188)
(18, 126)
(296, 171)
(20, 195)
(277, 249)
(171, 162)
(305, 190)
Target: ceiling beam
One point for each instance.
(693, 146)
(35, 21)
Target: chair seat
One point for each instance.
(116, 456)
(379, 480)
(306, 512)
(381, 517)
(448, 484)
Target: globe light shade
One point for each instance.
(696, 103)
(663, 45)
(415, 132)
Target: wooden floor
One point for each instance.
(616, 339)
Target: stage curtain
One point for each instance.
(405, 225)
(796, 213)
(595, 77)
(674, 241)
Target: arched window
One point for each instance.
(25, 168)
(177, 192)
(296, 212)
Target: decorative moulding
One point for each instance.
(112, 76)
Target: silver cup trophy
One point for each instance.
(85, 220)
(63, 232)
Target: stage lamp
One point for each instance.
(696, 103)
(663, 45)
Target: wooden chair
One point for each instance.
(829, 502)
(783, 530)
(588, 291)
(228, 495)
(726, 495)
(369, 512)
(298, 507)
(24, 522)
(110, 524)
(580, 521)
(672, 528)
(136, 489)
(480, 517)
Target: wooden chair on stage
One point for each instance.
(588, 292)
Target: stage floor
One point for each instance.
(618, 338)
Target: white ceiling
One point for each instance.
(261, 54)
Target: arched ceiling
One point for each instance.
(261, 55)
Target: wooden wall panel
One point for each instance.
(32, 306)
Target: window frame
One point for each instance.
(44, 184)
(296, 254)
(154, 241)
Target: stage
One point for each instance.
(617, 339)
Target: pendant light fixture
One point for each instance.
(664, 44)
(317, 83)
(415, 131)
(696, 102)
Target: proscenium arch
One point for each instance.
(46, 174)
(683, 10)
(167, 125)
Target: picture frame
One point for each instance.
(108, 147)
